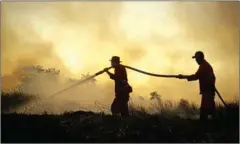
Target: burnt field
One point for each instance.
(83, 126)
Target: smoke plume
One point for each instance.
(158, 37)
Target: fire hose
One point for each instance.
(172, 76)
(134, 69)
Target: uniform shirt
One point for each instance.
(120, 78)
(206, 77)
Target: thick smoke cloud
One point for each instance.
(159, 37)
(213, 28)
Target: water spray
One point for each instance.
(80, 82)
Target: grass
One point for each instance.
(163, 126)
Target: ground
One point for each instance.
(96, 127)
(165, 125)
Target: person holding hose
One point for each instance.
(122, 88)
(206, 77)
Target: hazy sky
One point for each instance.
(158, 37)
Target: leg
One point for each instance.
(207, 106)
(114, 107)
(124, 110)
(203, 114)
(203, 109)
(124, 106)
(212, 110)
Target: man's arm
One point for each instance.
(188, 77)
(192, 77)
(196, 75)
(117, 76)
(112, 76)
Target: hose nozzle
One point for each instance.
(100, 72)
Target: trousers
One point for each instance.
(120, 105)
(207, 105)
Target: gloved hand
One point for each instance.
(106, 69)
(180, 76)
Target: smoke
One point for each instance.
(159, 37)
(213, 28)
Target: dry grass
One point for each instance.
(163, 126)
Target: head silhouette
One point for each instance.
(199, 57)
(115, 61)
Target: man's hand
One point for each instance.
(106, 69)
(180, 76)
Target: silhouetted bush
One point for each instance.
(13, 100)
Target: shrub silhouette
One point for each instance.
(13, 100)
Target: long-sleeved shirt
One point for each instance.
(120, 78)
(206, 77)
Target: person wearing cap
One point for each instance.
(122, 88)
(206, 77)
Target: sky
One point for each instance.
(157, 37)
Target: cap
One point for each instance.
(198, 54)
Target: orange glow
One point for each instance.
(158, 37)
